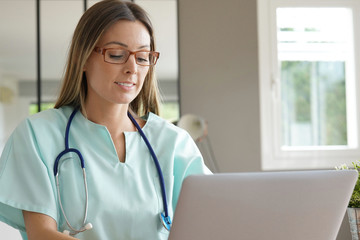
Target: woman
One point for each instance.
(108, 83)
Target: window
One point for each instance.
(309, 89)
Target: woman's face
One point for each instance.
(117, 83)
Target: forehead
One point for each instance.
(130, 33)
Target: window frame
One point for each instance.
(273, 156)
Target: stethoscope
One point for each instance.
(164, 216)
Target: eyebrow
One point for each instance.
(124, 45)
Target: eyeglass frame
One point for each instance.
(102, 51)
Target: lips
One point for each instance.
(126, 84)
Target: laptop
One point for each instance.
(306, 205)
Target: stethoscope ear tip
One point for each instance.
(88, 226)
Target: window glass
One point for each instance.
(315, 58)
(309, 85)
(58, 21)
(163, 15)
(170, 111)
(17, 63)
(17, 72)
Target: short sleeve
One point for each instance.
(188, 161)
(25, 180)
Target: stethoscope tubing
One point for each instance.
(56, 174)
(67, 149)
(75, 231)
(156, 161)
(166, 220)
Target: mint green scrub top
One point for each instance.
(124, 198)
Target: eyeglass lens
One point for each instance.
(120, 56)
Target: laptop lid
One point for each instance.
(266, 205)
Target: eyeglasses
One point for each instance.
(120, 56)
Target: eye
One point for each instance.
(142, 57)
(142, 60)
(116, 57)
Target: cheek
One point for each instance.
(94, 67)
(91, 76)
(96, 72)
(143, 78)
(90, 70)
(143, 74)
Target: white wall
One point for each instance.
(219, 77)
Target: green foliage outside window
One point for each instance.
(314, 95)
(33, 108)
(168, 110)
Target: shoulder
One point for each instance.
(166, 135)
(35, 133)
(156, 124)
(44, 122)
(50, 116)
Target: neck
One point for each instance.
(113, 116)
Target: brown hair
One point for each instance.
(92, 25)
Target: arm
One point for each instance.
(42, 227)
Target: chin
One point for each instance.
(124, 101)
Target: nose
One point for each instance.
(130, 65)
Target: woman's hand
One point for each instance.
(42, 227)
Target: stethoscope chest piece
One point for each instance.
(166, 221)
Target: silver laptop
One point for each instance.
(306, 205)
